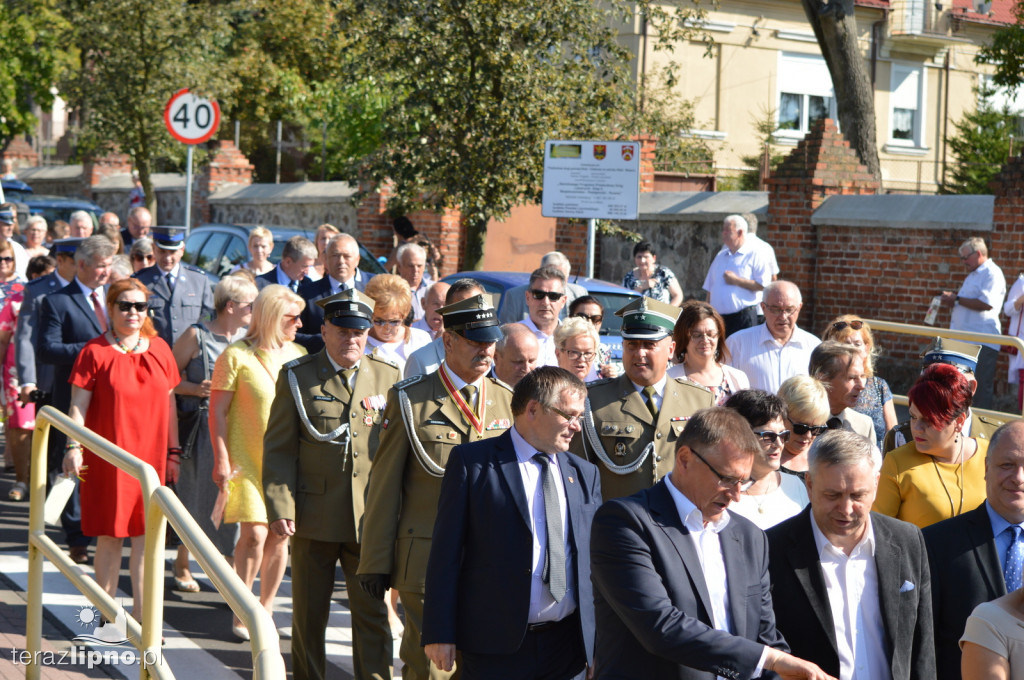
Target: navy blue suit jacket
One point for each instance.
(477, 593)
(652, 603)
(30, 368)
(313, 316)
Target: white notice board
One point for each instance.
(591, 179)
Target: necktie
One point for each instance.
(170, 281)
(1014, 561)
(834, 423)
(469, 394)
(95, 297)
(554, 561)
(294, 285)
(346, 378)
(652, 405)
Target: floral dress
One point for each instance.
(871, 402)
(659, 283)
(18, 416)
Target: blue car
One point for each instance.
(51, 207)
(611, 296)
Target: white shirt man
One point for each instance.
(738, 273)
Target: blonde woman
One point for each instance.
(261, 244)
(35, 236)
(389, 337)
(806, 414)
(324, 234)
(241, 391)
(576, 345)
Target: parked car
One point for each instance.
(51, 207)
(218, 248)
(611, 296)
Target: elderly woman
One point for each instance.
(389, 337)
(142, 254)
(651, 279)
(589, 308)
(241, 391)
(122, 389)
(34, 234)
(195, 354)
(701, 354)
(576, 346)
(807, 411)
(324, 234)
(773, 497)
(875, 400)
(261, 244)
(940, 474)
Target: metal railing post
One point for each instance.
(36, 525)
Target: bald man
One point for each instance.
(516, 354)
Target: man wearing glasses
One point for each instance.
(681, 585)
(777, 349)
(545, 297)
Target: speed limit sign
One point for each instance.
(190, 119)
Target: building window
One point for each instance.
(906, 102)
(805, 93)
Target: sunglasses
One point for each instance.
(769, 436)
(6, 258)
(840, 325)
(814, 430)
(549, 294)
(387, 322)
(126, 306)
(592, 318)
(143, 258)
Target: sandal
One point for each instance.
(188, 585)
(17, 492)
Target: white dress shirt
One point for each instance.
(748, 262)
(852, 586)
(87, 292)
(546, 356)
(986, 283)
(659, 391)
(766, 362)
(542, 606)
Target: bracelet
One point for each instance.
(71, 446)
(173, 452)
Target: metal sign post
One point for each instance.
(191, 120)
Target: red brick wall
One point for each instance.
(21, 152)
(226, 166)
(95, 170)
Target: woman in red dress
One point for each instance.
(122, 386)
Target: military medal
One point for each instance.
(476, 420)
(620, 449)
(368, 420)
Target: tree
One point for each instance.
(835, 27)
(981, 145)
(1006, 52)
(766, 128)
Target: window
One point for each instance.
(906, 102)
(805, 93)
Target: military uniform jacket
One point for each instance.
(982, 427)
(402, 501)
(624, 427)
(174, 311)
(322, 484)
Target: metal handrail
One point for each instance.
(968, 336)
(161, 506)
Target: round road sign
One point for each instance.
(190, 119)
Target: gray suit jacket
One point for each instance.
(26, 334)
(174, 311)
(802, 609)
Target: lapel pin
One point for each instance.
(570, 480)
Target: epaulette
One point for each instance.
(40, 281)
(389, 362)
(501, 383)
(299, 360)
(600, 381)
(193, 268)
(411, 380)
(989, 420)
(690, 383)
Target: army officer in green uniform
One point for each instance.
(631, 423)
(323, 429)
(426, 416)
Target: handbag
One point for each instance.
(190, 422)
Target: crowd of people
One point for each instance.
(732, 497)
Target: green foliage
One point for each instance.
(980, 146)
(1006, 52)
(766, 127)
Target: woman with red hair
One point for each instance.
(122, 389)
(941, 473)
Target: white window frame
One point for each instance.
(897, 76)
(805, 75)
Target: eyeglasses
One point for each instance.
(126, 306)
(144, 258)
(576, 355)
(814, 430)
(291, 318)
(781, 311)
(595, 319)
(244, 306)
(570, 420)
(554, 296)
(6, 258)
(698, 336)
(380, 323)
(769, 436)
(967, 256)
(840, 325)
(724, 481)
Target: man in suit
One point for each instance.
(841, 368)
(137, 226)
(180, 294)
(681, 587)
(426, 359)
(851, 588)
(322, 433)
(342, 272)
(68, 319)
(968, 553)
(32, 374)
(426, 417)
(508, 581)
(297, 257)
(633, 422)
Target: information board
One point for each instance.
(591, 179)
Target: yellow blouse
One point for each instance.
(917, 488)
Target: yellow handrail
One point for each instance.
(161, 506)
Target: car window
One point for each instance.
(368, 263)
(612, 302)
(193, 244)
(235, 254)
(209, 254)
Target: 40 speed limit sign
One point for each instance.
(191, 119)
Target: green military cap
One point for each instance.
(647, 319)
(473, 318)
(962, 355)
(348, 309)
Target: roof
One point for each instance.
(293, 192)
(896, 211)
(1001, 11)
(703, 206)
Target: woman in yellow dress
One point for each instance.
(941, 473)
(242, 390)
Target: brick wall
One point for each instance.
(95, 170)
(21, 152)
(227, 166)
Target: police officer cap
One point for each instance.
(647, 319)
(348, 309)
(962, 355)
(472, 318)
(7, 215)
(169, 238)
(68, 246)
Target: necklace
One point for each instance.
(117, 341)
(764, 496)
(960, 480)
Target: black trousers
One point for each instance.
(552, 652)
(986, 376)
(737, 321)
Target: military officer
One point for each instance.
(181, 293)
(963, 356)
(631, 423)
(426, 416)
(323, 429)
